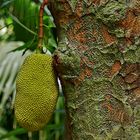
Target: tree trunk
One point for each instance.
(98, 63)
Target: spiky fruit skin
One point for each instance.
(37, 92)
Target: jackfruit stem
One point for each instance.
(41, 33)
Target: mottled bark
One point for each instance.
(98, 62)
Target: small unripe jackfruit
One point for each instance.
(37, 92)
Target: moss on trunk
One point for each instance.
(97, 61)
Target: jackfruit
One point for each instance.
(37, 92)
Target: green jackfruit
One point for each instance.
(37, 92)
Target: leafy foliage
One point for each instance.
(25, 15)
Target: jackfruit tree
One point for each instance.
(98, 63)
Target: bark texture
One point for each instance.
(98, 62)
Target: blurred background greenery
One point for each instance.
(18, 38)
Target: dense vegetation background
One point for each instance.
(18, 37)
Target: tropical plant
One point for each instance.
(21, 18)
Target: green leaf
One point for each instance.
(15, 132)
(6, 3)
(30, 45)
(23, 26)
(25, 16)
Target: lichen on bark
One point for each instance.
(97, 61)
